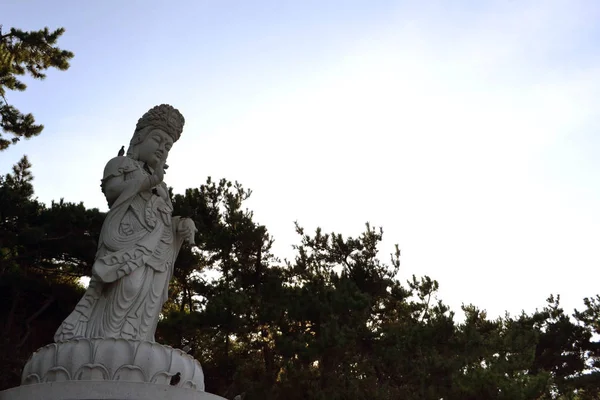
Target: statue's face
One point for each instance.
(155, 147)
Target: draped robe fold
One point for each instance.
(137, 249)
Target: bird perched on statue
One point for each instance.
(175, 379)
(122, 151)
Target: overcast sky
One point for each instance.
(468, 130)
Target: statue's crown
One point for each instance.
(164, 117)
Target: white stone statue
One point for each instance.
(139, 240)
(105, 349)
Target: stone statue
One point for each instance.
(139, 241)
(105, 349)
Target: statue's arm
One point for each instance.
(120, 174)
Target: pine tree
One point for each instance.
(24, 53)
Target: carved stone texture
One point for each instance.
(112, 359)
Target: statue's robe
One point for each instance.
(137, 249)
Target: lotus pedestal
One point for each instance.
(115, 369)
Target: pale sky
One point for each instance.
(467, 129)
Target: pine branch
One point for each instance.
(23, 52)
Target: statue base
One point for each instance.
(103, 390)
(113, 359)
(110, 369)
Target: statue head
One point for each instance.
(155, 133)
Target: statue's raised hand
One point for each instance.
(159, 171)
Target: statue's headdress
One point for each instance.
(164, 117)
